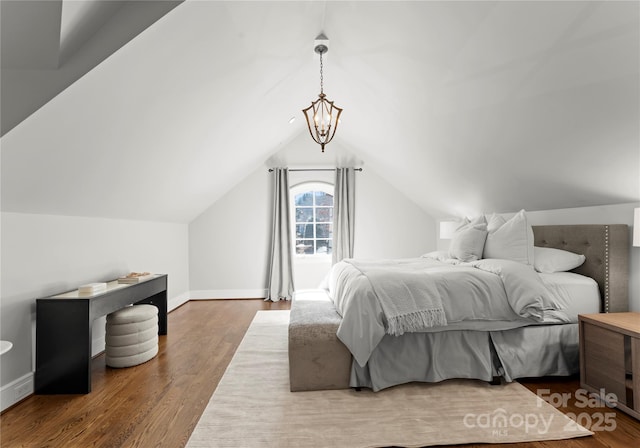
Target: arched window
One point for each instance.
(312, 211)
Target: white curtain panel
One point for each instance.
(343, 214)
(281, 265)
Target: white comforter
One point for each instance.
(488, 294)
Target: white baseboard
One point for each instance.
(15, 391)
(228, 294)
(174, 303)
(98, 345)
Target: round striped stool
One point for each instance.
(131, 336)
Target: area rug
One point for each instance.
(253, 407)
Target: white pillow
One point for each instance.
(468, 240)
(510, 240)
(551, 260)
(494, 222)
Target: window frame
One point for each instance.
(309, 186)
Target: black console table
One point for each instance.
(63, 331)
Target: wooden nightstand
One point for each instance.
(610, 357)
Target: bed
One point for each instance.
(511, 346)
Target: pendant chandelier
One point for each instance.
(322, 116)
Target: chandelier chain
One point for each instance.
(321, 76)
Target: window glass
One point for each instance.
(304, 214)
(313, 216)
(304, 198)
(323, 230)
(323, 198)
(323, 247)
(324, 214)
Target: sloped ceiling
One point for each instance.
(49, 44)
(463, 106)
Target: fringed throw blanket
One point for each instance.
(410, 301)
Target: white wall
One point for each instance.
(606, 214)
(229, 242)
(388, 224)
(44, 255)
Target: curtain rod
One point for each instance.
(316, 169)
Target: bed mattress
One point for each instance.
(579, 294)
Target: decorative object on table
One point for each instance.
(135, 277)
(92, 288)
(324, 115)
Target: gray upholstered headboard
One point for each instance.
(606, 248)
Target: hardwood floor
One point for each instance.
(157, 404)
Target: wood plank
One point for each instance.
(159, 403)
(635, 375)
(603, 352)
